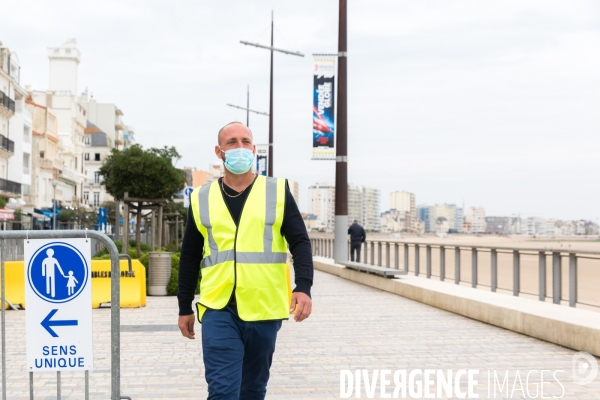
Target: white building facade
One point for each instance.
(475, 217)
(321, 203)
(15, 131)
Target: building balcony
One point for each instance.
(7, 146)
(71, 175)
(9, 188)
(51, 164)
(7, 105)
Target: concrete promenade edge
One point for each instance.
(566, 326)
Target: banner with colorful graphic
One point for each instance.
(323, 110)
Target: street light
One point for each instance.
(247, 108)
(271, 49)
(54, 183)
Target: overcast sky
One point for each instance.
(492, 104)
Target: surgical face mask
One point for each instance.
(238, 161)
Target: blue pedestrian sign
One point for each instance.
(52, 281)
(58, 304)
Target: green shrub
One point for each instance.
(133, 253)
(144, 260)
(175, 261)
(173, 283)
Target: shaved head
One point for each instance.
(234, 126)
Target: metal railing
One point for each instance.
(115, 295)
(10, 186)
(558, 275)
(7, 144)
(7, 102)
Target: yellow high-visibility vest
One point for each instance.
(250, 256)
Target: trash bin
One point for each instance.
(159, 273)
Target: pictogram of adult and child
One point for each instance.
(49, 265)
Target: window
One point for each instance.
(87, 141)
(96, 199)
(97, 157)
(86, 196)
(96, 177)
(86, 156)
(27, 134)
(26, 163)
(41, 154)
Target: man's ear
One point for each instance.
(218, 152)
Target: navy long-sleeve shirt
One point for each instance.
(192, 247)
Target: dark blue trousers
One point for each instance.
(237, 355)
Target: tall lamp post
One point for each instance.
(54, 183)
(341, 159)
(272, 49)
(247, 108)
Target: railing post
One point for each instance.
(417, 254)
(387, 255)
(406, 257)
(428, 251)
(379, 253)
(572, 279)
(457, 265)
(397, 256)
(516, 273)
(494, 262)
(556, 278)
(474, 267)
(542, 278)
(442, 263)
(366, 251)
(372, 253)
(330, 248)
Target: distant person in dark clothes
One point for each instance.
(357, 238)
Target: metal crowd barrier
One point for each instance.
(554, 279)
(115, 312)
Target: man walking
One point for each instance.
(236, 240)
(357, 238)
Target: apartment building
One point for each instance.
(15, 131)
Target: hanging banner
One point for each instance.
(323, 110)
(262, 156)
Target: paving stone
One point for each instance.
(352, 327)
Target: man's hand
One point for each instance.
(186, 325)
(303, 304)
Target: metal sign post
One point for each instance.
(58, 323)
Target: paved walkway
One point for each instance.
(352, 327)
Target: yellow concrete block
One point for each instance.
(15, 282)
(133, 289)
